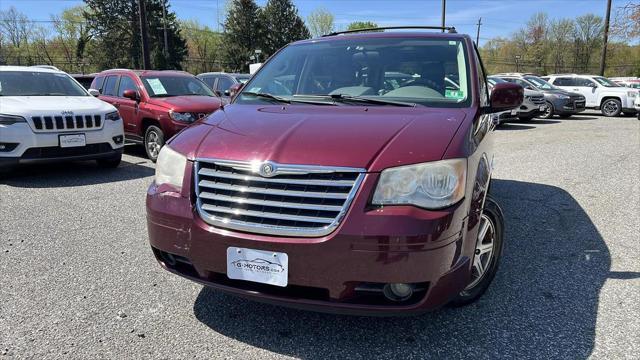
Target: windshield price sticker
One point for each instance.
(157, 87)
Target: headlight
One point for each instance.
(563, 97)
(11, 119)
(183, 117)
(113, 116)
(431, 185)
(170, 167)
(632, 94)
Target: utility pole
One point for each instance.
(444, 11)
(164, 28)
(146, 63)
(478, 33)
(603, 60)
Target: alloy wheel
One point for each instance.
(548, 111)
(484, 251)
(610, 108)
(153, 144)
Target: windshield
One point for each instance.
(605, 82)
(539, 83)
(175, 85)
(35, 83)
(387, 71)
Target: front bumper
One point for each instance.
(25, 146)
(398, 244)
(568, 106)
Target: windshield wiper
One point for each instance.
(267, 96)
(345, 98)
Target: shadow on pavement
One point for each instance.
(542, 304)
(74, 174)
(510, 127)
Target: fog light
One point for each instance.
(118, 139)
(8, 146)
(398, 292)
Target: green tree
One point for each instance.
(72, 37)
(320, 22)
(282, 25)
(116, 28)
(358, 25)
(203, 45)
(242, 31)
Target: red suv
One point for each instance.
(332, 183)
(155, 105)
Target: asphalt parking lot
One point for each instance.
(78, 280)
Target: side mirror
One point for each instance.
(506, 96)
(234, 89)
(94, 92)
(227, 93)
(593, 85)
(131, 94)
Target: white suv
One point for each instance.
(600, 92)
(45, 116)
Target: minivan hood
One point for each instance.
(373, 138)
(529, 92)
(205, 104)
(28, 106)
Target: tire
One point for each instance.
(611, 107)
(548, 113)
(153, 142)
(565, 116)
(491, 215)
(110, 163)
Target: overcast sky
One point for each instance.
(499, 17)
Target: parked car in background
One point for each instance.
(599, 92)
(558, 101)
(532, 106)
(46, 116)
(502, 116)
(84, 79)
(155, 105)
(631, 82)
(221, 82)
(336, 192)
(637, 106)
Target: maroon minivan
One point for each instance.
(153, 104)
(347, 175)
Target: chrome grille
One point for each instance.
(299, 200)
(66, 123)
(537, 99)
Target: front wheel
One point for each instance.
(487, 254)
(153, 142)
(548, 111)
(611, 107)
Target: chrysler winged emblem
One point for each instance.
(267, 169)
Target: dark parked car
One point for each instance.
(558, 101)
(155, 105)
(322, 187)
(221, 82)
(84, 79)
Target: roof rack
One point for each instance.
(450, 29)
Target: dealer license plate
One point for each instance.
(74, 140)
(266, 267)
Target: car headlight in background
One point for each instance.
(113, 116)
(432, 185)
(182, 117)
(170, 167)
(563, 97)
(11, 119)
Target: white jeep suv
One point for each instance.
(599, 92)
(46, 116)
